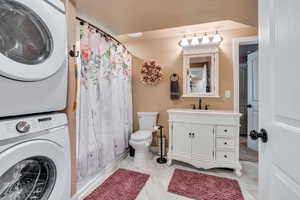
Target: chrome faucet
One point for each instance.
(200, 104)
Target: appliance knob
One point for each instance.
(23, 127)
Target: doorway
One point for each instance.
(248, 98)
(245, 60)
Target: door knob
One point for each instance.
(263, 134)
(249, 106)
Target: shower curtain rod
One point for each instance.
(103, 32)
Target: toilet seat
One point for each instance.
(141, 135)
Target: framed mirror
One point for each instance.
(201, 73)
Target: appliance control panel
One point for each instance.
(45, 123)
(29, 125)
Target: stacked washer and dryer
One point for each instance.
(34, 140)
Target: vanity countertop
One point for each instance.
(204, 112)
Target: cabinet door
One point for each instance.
(181, 140)
(202, 142)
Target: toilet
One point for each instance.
(141, 139)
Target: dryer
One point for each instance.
(35, 158)
(33, 56)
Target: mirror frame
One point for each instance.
(192, 52)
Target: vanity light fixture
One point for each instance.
(217, 37)
(205, 39)
(184, 42)
(195, 40)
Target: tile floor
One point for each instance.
(156, 187)
(247, 154)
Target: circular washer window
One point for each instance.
(24, 37)
(32, 179)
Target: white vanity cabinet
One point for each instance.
(204, 139)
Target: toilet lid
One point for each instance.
(141, 135)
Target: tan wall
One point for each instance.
(167, 52)
(71, 104)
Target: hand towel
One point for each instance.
(174, 87)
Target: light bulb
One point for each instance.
(184, 42)
(205, 39)
(217, 38)
(195, 40)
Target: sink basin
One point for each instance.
(192, 111)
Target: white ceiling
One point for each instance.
(128, 16)
(189, 31)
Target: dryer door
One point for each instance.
(33, 39)
(35, 170)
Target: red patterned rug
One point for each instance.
(204, 187)
(122, 185)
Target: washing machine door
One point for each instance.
(35, 170)
(33, 39)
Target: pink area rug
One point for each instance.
(204, 187)
(122, 185)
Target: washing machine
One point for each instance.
(33, 56)
(35, 158)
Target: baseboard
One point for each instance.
(97, 180)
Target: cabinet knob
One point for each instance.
(225, 130)
(225, 143)
(225, 156)
(193, 134)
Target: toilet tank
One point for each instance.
(147, 120)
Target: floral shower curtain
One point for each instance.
(105, 111)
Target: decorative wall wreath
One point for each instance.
(151, 73)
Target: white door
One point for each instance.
(253, 102)
(279, 72)
(181, 140)
(33, 39)
(202, 142)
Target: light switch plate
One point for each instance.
(227, 94)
